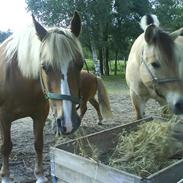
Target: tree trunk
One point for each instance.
(106, 50)
(116, 63)
(125, 63)
(101, 61)
(107, 61)
(95, 59)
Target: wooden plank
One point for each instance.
(101, 139)
(61, 181)
(170, 174)
(72, 168)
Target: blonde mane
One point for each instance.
(59, 47)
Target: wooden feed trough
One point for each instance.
(68, 167)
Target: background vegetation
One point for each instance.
(109, 26)
(4, 35)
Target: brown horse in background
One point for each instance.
(90, 85)
(39, 66)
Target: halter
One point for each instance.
(155, 79)
(57, 96)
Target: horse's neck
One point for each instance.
(137, 49)
(179, 40)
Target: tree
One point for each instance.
(170, 13)
(94, 13)
(109, 26)
(125, 27)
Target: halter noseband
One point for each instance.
(57, 96)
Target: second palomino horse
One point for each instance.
(153, 68)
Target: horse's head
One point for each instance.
(61, 62)
(159, 67)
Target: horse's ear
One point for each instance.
(176, 33)
(76, 24)
(150, 33)
(40, 30)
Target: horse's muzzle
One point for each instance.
(178, 107)
(62, 127)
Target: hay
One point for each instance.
(143, 152)
(146, 150)
(87, 150)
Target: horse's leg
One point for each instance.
(6, 148)
(95, 104)
(83, 108)
(138, 103)
(38, 126)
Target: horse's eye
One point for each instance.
(46, 67)
(156, 65)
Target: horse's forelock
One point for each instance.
(59, 46)
(165, 45)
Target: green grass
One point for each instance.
(90, 65)
(120, 71)
(115, 84)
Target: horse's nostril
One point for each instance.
(59, 123)
(179, 105)
(178, 108)
(61, 127)
(64, 129)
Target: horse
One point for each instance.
(89, 86)
(153, 67)
(39, 67)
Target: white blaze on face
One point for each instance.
(67, 105)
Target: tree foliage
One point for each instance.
(4, 35)
(170, 13)
(110, 25)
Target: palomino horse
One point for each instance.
(152, 68)
(37, 65)
(89, 86)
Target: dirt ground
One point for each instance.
(22, 157)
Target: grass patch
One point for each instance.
(115, 84)
(120, 71)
